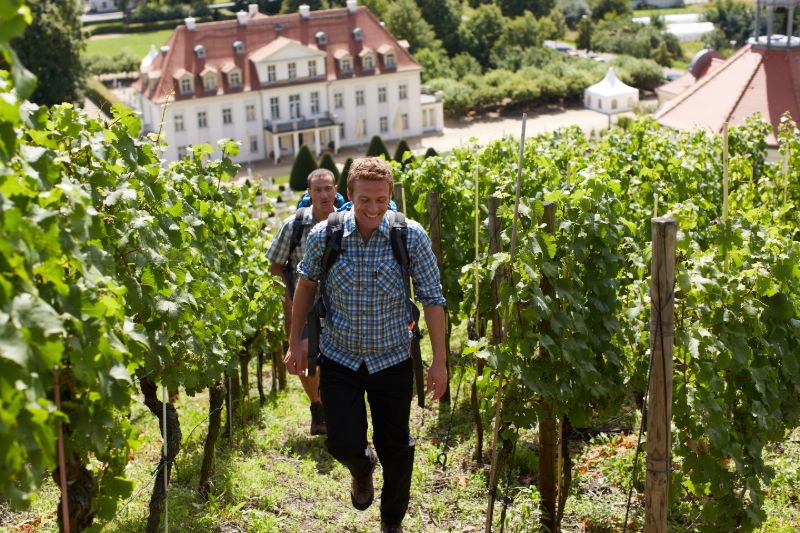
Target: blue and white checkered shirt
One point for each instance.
(367, 320)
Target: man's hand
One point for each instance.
(296, 359)
(437, 379)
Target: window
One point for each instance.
(250, 112)
(404, 119)
(314, 103)
(614, 103)
(322, 38)
(358, 35)
(312, 68)
(424, 118)
(186, 85)
(600, 103)
(338, 101)
(235, 79)
(403, 91)
(210, 82)
(347, 64)
(253, 144)
(382, 95)
(360, 97)
(341, 131)
(271, 76)
(363, 128)
(179, 123)
(275, 108)
(202, 120)
(369, 62)
(294, 106)
(389, 60)
(227, 116)
(292, 70)
(238, 47)
(183, 151)
(384, 124)
(200, 51)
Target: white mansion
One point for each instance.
(326, 79)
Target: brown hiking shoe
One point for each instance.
(391, 529)
(362, 491)
(318, 426)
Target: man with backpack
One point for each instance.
(364, 260)
(285, 254)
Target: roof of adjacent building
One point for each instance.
(263, 35)
(753, 80)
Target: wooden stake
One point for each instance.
(725, 172)
(493, 471)
(399, 197)
(548, 473)
(495, 247)
(435, 217)
(62, 464)
(659, 404)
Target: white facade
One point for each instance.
(103, 6)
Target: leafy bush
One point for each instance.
(304, 163)
(124, 61)
(152, 12)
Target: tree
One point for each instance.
(445, 18)
(482, 30)
(404, 20)
(293, 6)
(51, 48)
(574, 11)
(464, 64)
(434, 63)
(327, 162)
(600, 8)
(400, 151)
(378, 148)
(343, 177)
(662, 56)
(515, 8)
(735, 19)
(304, 163)
(585, 30)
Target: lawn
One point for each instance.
(138, 43)
(694, 8)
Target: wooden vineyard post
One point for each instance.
(399, 197)
(434, 214)
(547, 425)
(495, 247)
(659, 404)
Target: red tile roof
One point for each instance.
(753, 80)
(260, 31)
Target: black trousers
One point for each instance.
(389, 394)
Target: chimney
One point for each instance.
(191, 23)
(351, 5)
(305, 11)
(242, 16)
(164, 50)
(252, 10)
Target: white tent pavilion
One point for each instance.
(610, 95)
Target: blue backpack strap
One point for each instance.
(294, 242)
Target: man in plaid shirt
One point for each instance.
(364, 348)
(322, 190)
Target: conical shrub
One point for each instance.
(377, 148)
(304, 164)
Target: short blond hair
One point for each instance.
(369, 169)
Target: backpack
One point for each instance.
(398, 236)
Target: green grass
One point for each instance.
(690, 48)
(695, 8)
(137, 43)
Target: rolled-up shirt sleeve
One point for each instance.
(424, 270)
(311, 265)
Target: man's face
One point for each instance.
(322, 191)
(370, 201)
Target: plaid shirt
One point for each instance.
(279, 249)
(367, 320)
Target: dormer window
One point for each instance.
(346, 64)
(238, 47)
(271, 73)
(209, 81)
(368, 62)
(358, 34)
(322, 38)
(186, 85)
(235, 79)
(200, 51)
(389, 60)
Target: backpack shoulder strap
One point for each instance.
(334, 232)
(297, 229)
(398, 235)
